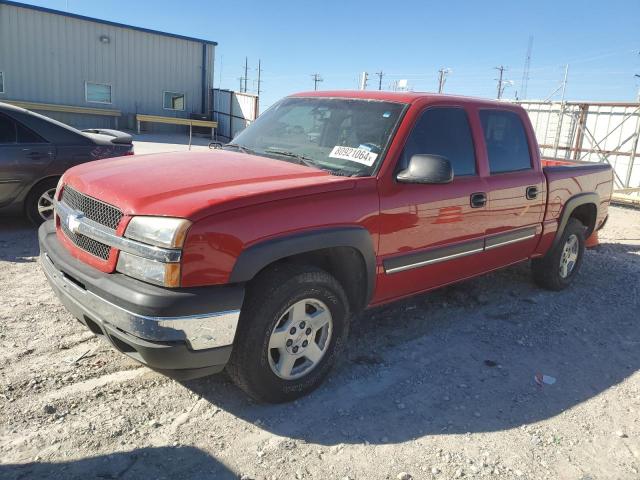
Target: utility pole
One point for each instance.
(364, 78)
(442, 78)
(316, 79)
(525, 74)
(380, 74)
(246, 68)
(638, 77)
(501, 69)
(564, 82)
(259, 72)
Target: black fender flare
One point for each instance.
(571, 204)
(258, 256)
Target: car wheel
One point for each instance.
(557, 269)
(293, 325)
(39, 202)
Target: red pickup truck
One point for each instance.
(255, 255)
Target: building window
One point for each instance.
(98, 92)
(173, 101)
(1, 82)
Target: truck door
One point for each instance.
(433, 234)
(516, 186)
(24, 157)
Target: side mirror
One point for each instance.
(427, 169)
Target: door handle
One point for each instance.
(478, 199)
(532, 193)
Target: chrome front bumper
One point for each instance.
(204, 331)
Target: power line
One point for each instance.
(316, 79)
(380, 74)
(442, 78)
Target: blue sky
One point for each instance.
(410, 39)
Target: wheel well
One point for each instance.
(42, 180)
(586, 214)
(346, 264)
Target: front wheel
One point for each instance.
(294, 323)
(38, 205)
(557, 269)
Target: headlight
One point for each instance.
(159, 231)
(159, 273)
(162, 232)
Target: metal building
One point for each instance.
(94, 73)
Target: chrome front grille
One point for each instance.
(93, 209)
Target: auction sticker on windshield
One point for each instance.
(358, 155)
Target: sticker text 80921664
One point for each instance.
(358, 155)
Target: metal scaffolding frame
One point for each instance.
(592, 132)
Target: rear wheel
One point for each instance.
(38, 205)
(293, 325)
(557, 269)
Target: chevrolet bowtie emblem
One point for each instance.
(73, 221)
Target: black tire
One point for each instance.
(31, 202)
(268, 298)
(547, 270)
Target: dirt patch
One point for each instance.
(437, 386)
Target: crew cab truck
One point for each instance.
(255, 255)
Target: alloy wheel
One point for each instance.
(569, 256)
(45, 204)
(300, 339)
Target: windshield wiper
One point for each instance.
(239, 147)
(304, 160)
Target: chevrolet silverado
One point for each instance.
(254, 256)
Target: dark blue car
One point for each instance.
(36, 150)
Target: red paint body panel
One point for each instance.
(237, 200)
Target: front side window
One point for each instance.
(443, 131)
(1, 82)
(506, 139)
(98, 92)
(344, 136)
(173, 101)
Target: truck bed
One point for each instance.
(566, 178)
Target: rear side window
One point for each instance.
(7, 130)
(27, 136)
(443, 131)
(506, 141)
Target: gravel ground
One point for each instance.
(438, 386)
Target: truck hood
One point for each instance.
(197, 184)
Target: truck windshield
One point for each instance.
(343, 136)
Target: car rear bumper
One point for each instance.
(184, 333)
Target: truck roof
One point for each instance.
(401, 97)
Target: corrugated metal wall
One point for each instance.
(233, 111)
(48, 58)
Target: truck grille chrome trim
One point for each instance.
(87, 244)
(208, 330)
(77, 223)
